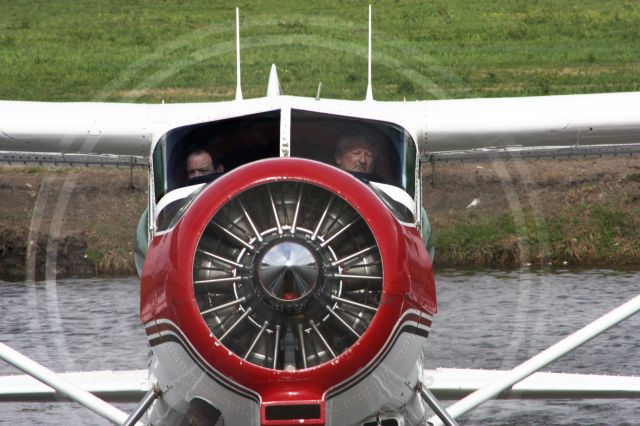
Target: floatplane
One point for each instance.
(288, 290)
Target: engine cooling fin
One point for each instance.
(287, 275)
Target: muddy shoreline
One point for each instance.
(576, 212)
(68, 221)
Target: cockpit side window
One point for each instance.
(375, 150)
(159, 168)
(409, 162)
(224, 144)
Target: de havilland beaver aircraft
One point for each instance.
(289, 287)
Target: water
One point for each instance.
(486, 320)
(497, 320)
(71, 325)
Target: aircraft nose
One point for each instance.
(288, 268)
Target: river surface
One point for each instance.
(486, 319)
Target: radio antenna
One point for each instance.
(369, 96)
(238, 81)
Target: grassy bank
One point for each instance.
(68, 220)
(559, 212)
(583, 235)
(148, 51)
(580, 213)
(184, 51)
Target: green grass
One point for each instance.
(184, 51)
(584, 235)
(177, 51)
(477, 239)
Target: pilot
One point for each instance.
(356, 154)
(200, 162)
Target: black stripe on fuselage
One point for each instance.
(167, 336)
(174, 337)
(364, 373)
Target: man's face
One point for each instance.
(199, 164)
(358, 157)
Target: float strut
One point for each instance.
(153, 394)
(435, 405)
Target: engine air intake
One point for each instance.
(287, 275)
(293, 412)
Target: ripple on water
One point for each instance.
(487, 319)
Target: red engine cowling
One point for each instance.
(289, 280)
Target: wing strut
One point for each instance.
(50, 378)
(545, 357)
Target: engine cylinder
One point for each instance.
(287, 275)
(288, 282)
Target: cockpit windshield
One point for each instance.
(370, 149)
(201, 152)
(373, 150)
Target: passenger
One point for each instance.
(356, 154)
(201, 163)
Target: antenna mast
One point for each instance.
(369, 96)
(238, 82)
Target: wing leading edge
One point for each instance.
(445, 125)
(569, 120)
(99, 128)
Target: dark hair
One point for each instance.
(215, 159)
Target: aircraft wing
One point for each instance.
(83, 127)
(568, 120)
(444, 125)
(454, 383)
(96, 127)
